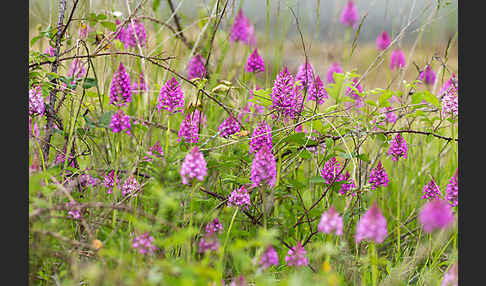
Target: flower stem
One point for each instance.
(221, 260)
(374, 269)
(167, 135)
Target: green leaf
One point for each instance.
(261, 97)
(329, 143)
(331, 108)
(370, 102)
(298, 138)
(431, 98)
(89, 82)
(109, 25)
(35, 39)
(155, 5)
(383, 99)
(334, 89)
(317, 180)
(305, 154)
(417, 97)
(364, 157)
(105, 119)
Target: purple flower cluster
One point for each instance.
(451, 278)
(133, 34)
(209, 241)
(139, 85)
(195, 68)
(109, 181)
(296, 256)
(398, 148)
(397, 59)
(427, 76)
(120, 90)
(130, 186)
(372, 226)
(383, 41)
(263, 168)
(347, 184)
(391, 117)
(317, 92)
(255, 63)
(268, 258)
(378, 177)
(452, 191)
(36, 101)
(431, 191)
(73, 210)
(61, 156)
(261, 136)
(349, 15)
(334, 68)
(83, 30)
(189, 129)
(171, 97)
(331, 170)
(87, 180)
(77, 70)
(435, 214)
(144, 243)
(214, 226)
(239, 198)
(331, 222)
(50, 51)
(240, 281)
(285, 98)
(120, 122)
(358, 100)
(154, 151)
(194, 166)
(305, 74)
(228, 127)
(448, 95)
(242, 30)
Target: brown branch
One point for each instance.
(214, 33)
(176, 33)
(52, 94)
(178, 24)
(101, 54)
(415, 132)
(70, 18)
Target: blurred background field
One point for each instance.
(325, 37)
